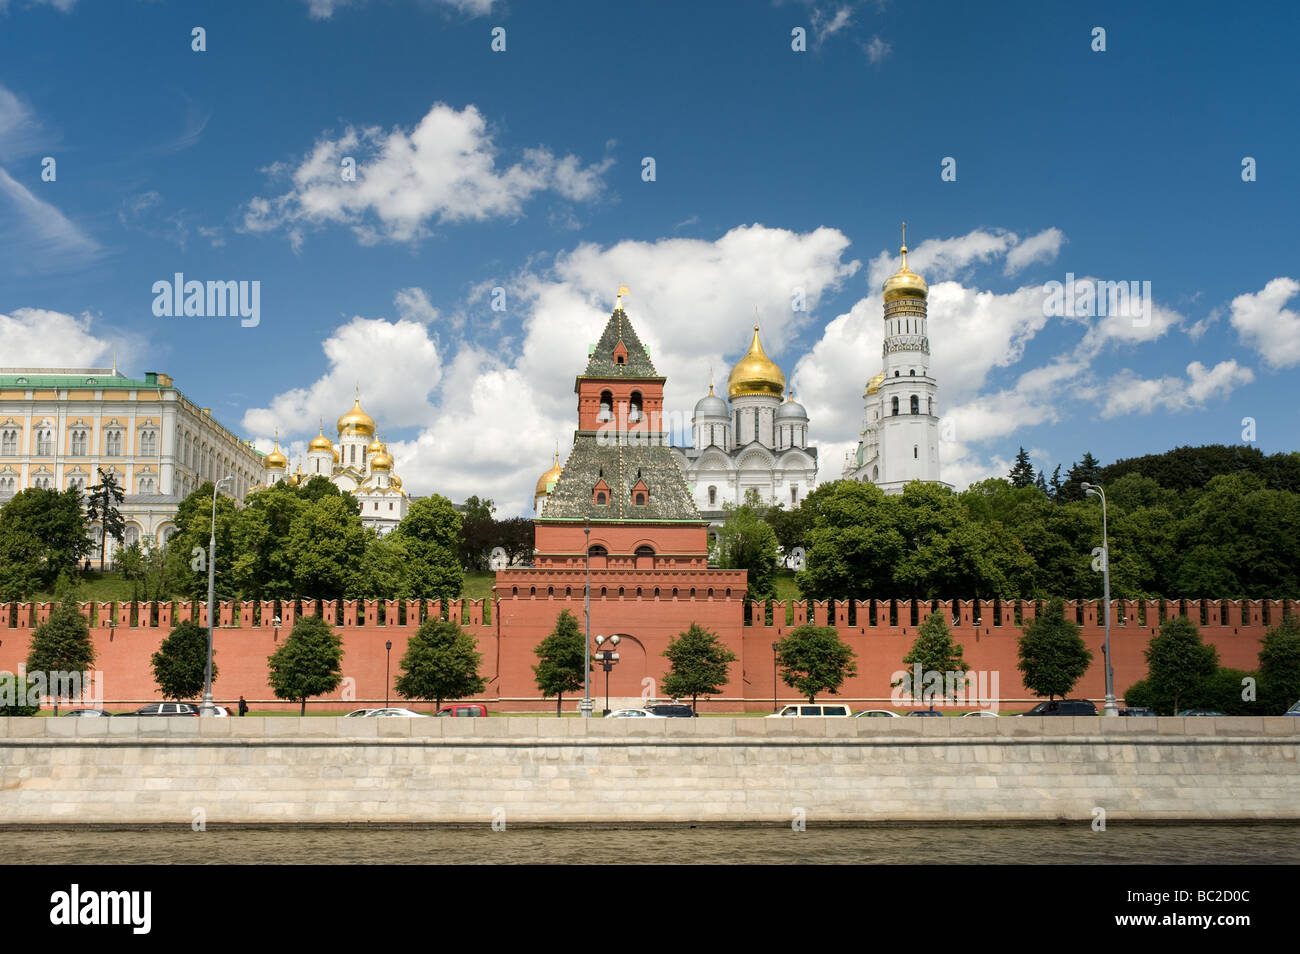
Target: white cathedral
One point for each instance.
(360, 465)
(759, 443)
(899, 442)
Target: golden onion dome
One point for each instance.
(320, 442)
(546, 483)
(395, 482)
(756, 373)
(357, 421)
(382, 462)
(276, 460)
(376, 447)
(905, 283)
(874, 384)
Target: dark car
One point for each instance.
(926, 712)
(1200, 712)
(1137, 711)
(672, 710)
(1063, 707)
(167, 709)
(87, 713)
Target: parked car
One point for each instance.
(1201, 712)
(1293, 711)
(167, 709)
(1137, 711)
(397, 712)
(464, 710)
(814, 710)
(980, 714)
(87, 713)
(1063, 707)
(358, 713)
(633, 714)
(672, 710)
(875, 714)
(926, 712)
(221, 711)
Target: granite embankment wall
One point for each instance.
(508, 628)
(329, 770)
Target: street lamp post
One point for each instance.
(775, 647)
(607, 658)
(585, 706)
(1093, 490)
(388, 655)
(207, 708)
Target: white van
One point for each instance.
(830, 710)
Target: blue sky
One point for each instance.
(775, 170)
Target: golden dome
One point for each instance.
(382, 462)
(321, 442)
(357, 421)
(376, 447)
(755, 373)
(874, 384)
(276, 460)
(395, 482)
(546, 482)
(905, 283)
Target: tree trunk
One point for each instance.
(303, 710)
(559, 702)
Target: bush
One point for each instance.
(14, 696)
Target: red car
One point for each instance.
(465, 710)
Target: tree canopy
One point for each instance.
(61, 644)
(440, 662)
(42, 534)
(1053, 656)
(698, 662)
(180, 663)
(559, 660)
(746, 542)
(934, 651)
(813, 659)
(310, 663)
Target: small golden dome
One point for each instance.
(546, 482)
(320, 442)
(357, 421)
(756, 373)
(395, 482)
(874, 384)
(276, 460)
(382, 462)
(905, 283)
(376, 447)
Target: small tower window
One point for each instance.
(713, 496)
(600, 497)
(916, 404)
(894, 406)
(915, 456)
(634, 407)
(912, 372)
(929, 404)
(606, 406)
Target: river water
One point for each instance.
(1069, 843)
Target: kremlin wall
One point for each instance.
(522, 614)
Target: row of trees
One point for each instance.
(1232, 533)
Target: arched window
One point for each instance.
(606, 406)
(640, 500)
(713, 496)
(915, 455)
(929, 406)
(601, 499)
(634, 408)
(894, 406)
(916, 404)
(79, 443)
(912, 372)
(9, 443)
(44, 443)
(148, 443)
(113, 442)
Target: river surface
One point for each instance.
(1074, 843)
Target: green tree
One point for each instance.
(61, 645)
(699, 662)
(385, 571)
(187, 551)
(1085, 471)
(935, 652)
(130, 560)
(854, 544)
(813, 659)
(440, 662)
(1279, 666)
(431, 532)
(1176, 661)
(17, 697)
(102, 502)
(261, 565)
(180, 663)
(1053, 656)
(42, 533)
(478, 533)
(1054, 485)
(308, 664)
(746, 542)
(326, 545)
(1022, 474)
(559, 660)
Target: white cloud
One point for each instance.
(19, 130)
(1126, 393)
(325, 9)
(48, 241)
(876, 49)
(63, 6)
(37, 338)
(827, 25)
(1042, 247)
(1266, 326)
(413, 304)
(442, 171)
(395, 364)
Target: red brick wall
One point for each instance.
(518, 622)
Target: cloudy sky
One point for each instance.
(689, 151)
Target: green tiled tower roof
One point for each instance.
(602, 363)
(621, 466)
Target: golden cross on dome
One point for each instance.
(904, 248)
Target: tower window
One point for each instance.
(640, 500)
(895, 374)
(634, 407)
(916, 404)
(606, 406)
(894, 406)
(912, 372)
(914, 453)
(601, 499)
(929, 404)
(794, 495)
(713, 496)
